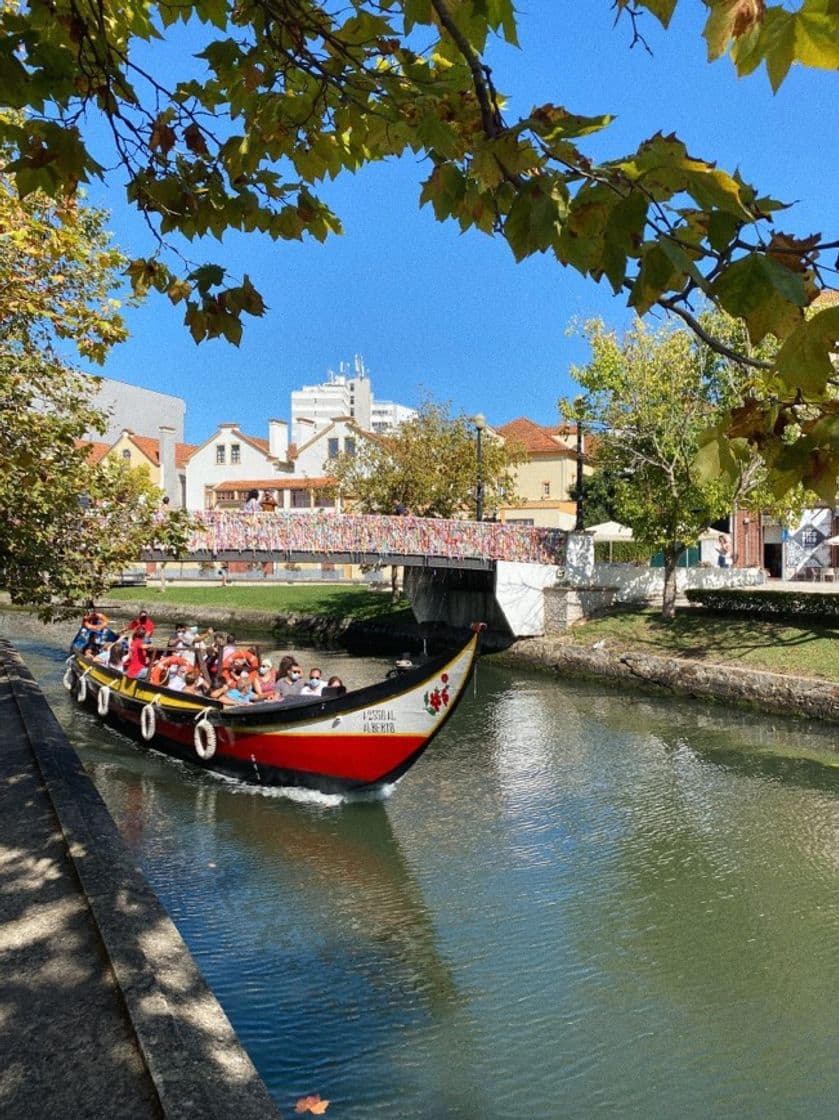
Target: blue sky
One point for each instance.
(436, 312)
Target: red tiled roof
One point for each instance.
(95, 450)
(533, 438)
(151, 449)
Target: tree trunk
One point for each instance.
(668, 605)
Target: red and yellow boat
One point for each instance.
(363, 740)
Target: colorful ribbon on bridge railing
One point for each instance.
(385, 537)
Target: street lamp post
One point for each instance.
(579, 524)
(480, 423)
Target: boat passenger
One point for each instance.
(138, 655)
(178, 639)
(175, 680)
(117, 655)
(196, 640)
(315, 685)
(228, 647)
(289, 677)
(267, 677)
(334, 687)
(141, 622)
(242, 661)
(240, 692)
(91, 647)
(194, 683)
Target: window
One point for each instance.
(333, 448)
(126, 454)
(324, 500)
(349, 445)
(235, 453)
(221, 456)
(300, 499)
(546, 489)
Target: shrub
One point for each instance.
(767, 604)
(623, 552)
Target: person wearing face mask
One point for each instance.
(289, 678)
(315, 684)
(267, 678)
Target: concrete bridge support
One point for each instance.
(511, 598)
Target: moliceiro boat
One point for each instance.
(363, 740)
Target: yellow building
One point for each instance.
(543, 480)
(144, 451)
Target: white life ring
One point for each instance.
(204, 739)
(81, 695)
(147, 722)
(69, 678)
(103, 700)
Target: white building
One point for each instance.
(387, 415)
(345, 394)
(229, 454)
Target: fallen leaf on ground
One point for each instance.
(313, 1104)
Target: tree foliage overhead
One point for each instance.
(652, 395)
(428, 465)
(284, 95)
(66, 525)
(58, 272)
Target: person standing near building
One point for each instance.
(252, 504)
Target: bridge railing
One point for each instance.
(331, 533)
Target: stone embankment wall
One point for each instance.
(730, 684)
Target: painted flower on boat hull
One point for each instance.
(437, 698)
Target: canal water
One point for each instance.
(579, 903)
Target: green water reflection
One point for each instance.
(580, 903)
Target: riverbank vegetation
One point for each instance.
(803, 650)
(331, 600)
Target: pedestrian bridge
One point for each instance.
(455, 571)
(368, 539)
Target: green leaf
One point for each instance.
(535, 218)
(806, 358)
(761, 291)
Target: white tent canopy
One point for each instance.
(610, 531)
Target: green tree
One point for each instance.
(652, 395)
(66, 526)
(428, 465)
(286, 95)
(599, 499)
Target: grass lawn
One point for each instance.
(808, 650)
(337, 600)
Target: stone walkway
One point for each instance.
(103, 1012)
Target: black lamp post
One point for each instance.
(480, 423)
(579, 524)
